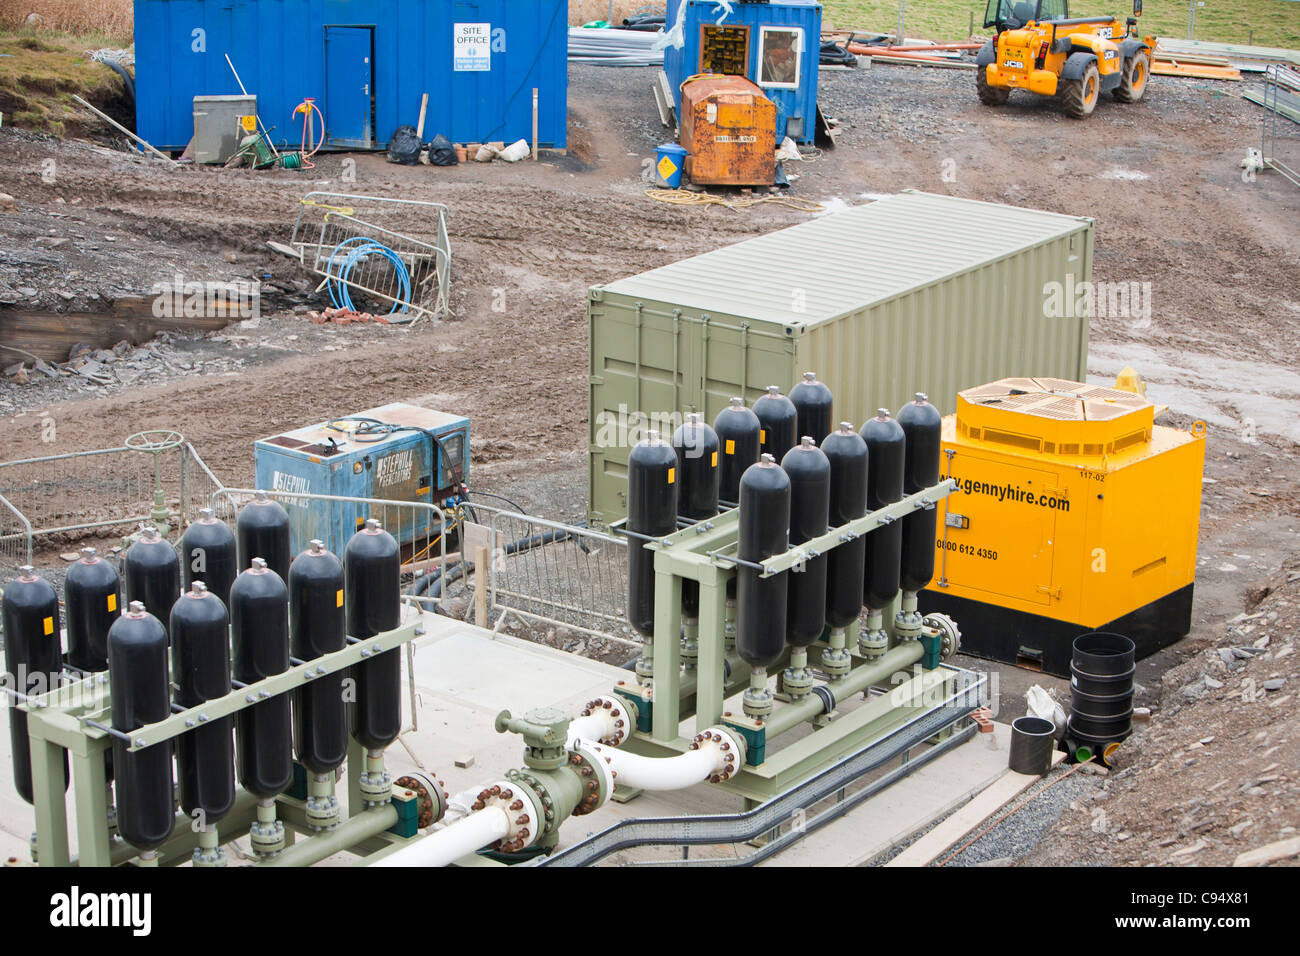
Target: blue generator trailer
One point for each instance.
(395, 452)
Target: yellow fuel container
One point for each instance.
(1074, 512)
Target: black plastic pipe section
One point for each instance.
(1101, 690)
(1032, 740)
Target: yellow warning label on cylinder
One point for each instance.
(49, 626)
(715, 459)
(112, 602)
(672, 475)
(731, 446)
(338, 598)
(762, 436)
(666, 167)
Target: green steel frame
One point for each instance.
(73, 717)
(706, 553)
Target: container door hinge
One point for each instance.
(1051, 592)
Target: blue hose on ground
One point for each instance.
(363, 247)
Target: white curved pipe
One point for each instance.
(449, 844)
(593, 728)
(460, 805)
(662, 773)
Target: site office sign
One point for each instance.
(472, 47)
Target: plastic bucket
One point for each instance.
(670, 160)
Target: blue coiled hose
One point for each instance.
(363, 247)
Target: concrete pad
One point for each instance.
(999, 793)
(914, 802)
(465, 675)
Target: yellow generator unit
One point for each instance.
(1074, 512)
(729, 130)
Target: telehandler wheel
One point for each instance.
(989, 95)
(1134, 83)
(1079, 97)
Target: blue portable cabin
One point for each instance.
(754, 40)
(367, 63)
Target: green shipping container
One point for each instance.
(911, 293)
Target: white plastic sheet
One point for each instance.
(676, 36)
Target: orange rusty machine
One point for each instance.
(728, 127)
(1074, 512)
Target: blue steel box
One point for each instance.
(362, 456)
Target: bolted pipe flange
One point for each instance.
(873, 642)
(430, 795)
(950, 634)
(836, 660)
(376, 788)
(729, 747)
(690, 652)
(757, 700)
(797, 681)
(517, 798)
(266, 837)
(621, 714)
(322, 806)
(208, 853)
(322, 812)
(907, 625)
(598, 785)
(645, 666)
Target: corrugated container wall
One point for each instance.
(765, 28)
(911, 293)
(366, 62)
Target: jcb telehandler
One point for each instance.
(1039, 48)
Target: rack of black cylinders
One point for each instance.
(234, 682)
(755, 544)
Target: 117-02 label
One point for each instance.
(971, 549)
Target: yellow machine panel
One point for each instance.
(1074, 512)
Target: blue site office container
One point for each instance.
(367, 63)
(789, 82)
(332, 458)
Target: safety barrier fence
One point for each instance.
(551, 572)
(153, 478)
(353, 242)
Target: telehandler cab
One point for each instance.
(1038, 47)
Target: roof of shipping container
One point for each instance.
(846, 261)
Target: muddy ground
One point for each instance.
(1161, 178)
